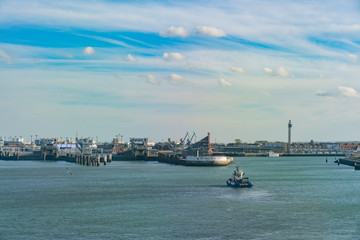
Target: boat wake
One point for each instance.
(68, 171)
(246, 194)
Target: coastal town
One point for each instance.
(185, 151)
(14, 145)
(143, 148)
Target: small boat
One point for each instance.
(272, 154)
(238, 179)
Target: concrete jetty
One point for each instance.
(350, 161)
(82, 159)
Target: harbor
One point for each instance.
(181, 120)
(186, 151)
(86, 152)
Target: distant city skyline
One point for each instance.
(236, 69)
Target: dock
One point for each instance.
(350, 161)
(82, 159)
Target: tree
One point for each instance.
(238, 142)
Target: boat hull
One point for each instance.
(239, 185)
(208, 161)
(272, 154)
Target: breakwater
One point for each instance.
(82, 159)
(350, 161)
(264, 154)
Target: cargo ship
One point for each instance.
(207, 159)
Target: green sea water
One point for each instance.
(292, 198)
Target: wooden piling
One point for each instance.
(357, 166)
(105, 159)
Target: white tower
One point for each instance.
(289, 126)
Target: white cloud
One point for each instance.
(152, 80)
(353, 57)
(173, 56)
(89, 51)
(130, 58)
(224, 83)
(5, 56)
(237, 69)
(348, 92)
(268, 70)
(210, 31)
(175, 79)
(175, 32)
(283, 72)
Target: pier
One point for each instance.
(82, 159)
(350, 161)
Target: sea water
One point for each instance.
(292, 198)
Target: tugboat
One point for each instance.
(238, 179)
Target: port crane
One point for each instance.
(187, 140)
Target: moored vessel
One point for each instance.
(208, 160)
(205, 158)
(273, 154)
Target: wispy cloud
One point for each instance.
(268, 70)
(136, 41)
(130, 58)
(173, 56)
(152, 80)
(237, 69)
(5, 56)
(175, 79)
(108, 40)
(280, 71)
(283, 72)
(224, 83)
(353, 57)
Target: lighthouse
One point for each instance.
(289, 127)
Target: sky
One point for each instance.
(158, 69)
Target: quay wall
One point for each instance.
(82, 159)
(241, 154)
(351, 161)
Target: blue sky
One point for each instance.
(238, 69)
